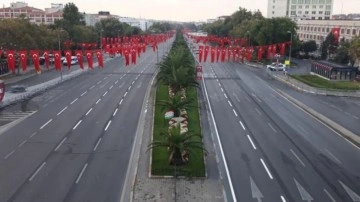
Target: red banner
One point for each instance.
(35, 57)
(23, 59)
(68, 57)
(10, 54)
(200, 52)
(57, 60)
(79, 57)
(89, 58)
(336, 33)
(46, 58)
(206, 51)
(100, 58)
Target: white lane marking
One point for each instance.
(45, 124)
(282, 199)
(333, 156)
(105, 77)
(129, 88)
(81, 173)
(220, 145)
(62, 111)
(98, 101)
(105, 93)
(37, 171)
(116, 81)
(111, 87)
(21, 144)
(222, 90)
(272, 127)
(99, 82)
(225, 96)
(353, 195)
(83, 93)
(88, 112)
(266, 168)
(248, 99)
(32, 135)
(78, 123)
(252, 143)
(92, 87)
(235, 112)
(107, 126)
(121, 101)
(329, 195)
(242, 125)
(230, 103)
(74, 101)
(59, 145)
(258, 111)
(297, 157)
(97, 144)
(9, 154)
(125, 94)
(115, 111)
(132, 83)
(347, 113)
(355, 117)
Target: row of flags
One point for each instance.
(34, 54)
(239, 53)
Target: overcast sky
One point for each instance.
(179, 10)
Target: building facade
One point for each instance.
(318, 29)
(35, 15)
(301, 9)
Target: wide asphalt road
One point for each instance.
(77, 146)
(274, 151)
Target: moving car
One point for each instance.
(73, 61)
(276, 67)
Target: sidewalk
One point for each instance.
(304, 87)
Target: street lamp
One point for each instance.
(290, 47)
(61, 30)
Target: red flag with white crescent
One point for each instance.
(282, 48)
(89, 58)
(200, 52)
(79, 57)
(68, 58)
(10, 54)
(35, 57)
(260, 53)
(57, 60)
(212, 54)
(47, 59)
(100, 58)
(133, 55)
(218, 53)
(206, 51)
(23, 59)
(223, 54)
(127, 58)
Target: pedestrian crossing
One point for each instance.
(12, 116)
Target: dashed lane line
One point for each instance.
(297, 157)
(88, 112)
(81, 173)
(74, 101)
(78, 123)
(266, 168)
(37, 171)
(60, 112)
(59, 145)
(252, 143)
(45, 124)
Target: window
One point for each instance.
(273, 1)
(327, 29)
(299, 12)
(273, 12)
(314, 1)
(323, 29)
(301, 1)
(327, 18)
(348, 31)
(273, 6)
(321, 1)
(321, 6)
(293, 1)
(307, 6)
(314, 6)
(293, 7)
(342, 31)
(307, 1)
(320, 12)
(328, 7)
(311, 29)
(306, 12)
(300, 6)
(320, 18)
(354, 32)
(293, 13)
(319, 27)
(327, 12)
(328, 1)
(313, 12)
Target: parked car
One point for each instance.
(42, 59)
(73, 61)
(276, 67)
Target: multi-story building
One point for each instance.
(92, 19)
(301, 9)
(35, 15)
(318, 29)
(143, 24)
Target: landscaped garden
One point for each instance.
(318, 82)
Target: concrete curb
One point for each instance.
(348, 135)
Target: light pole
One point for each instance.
(61, 74)
(290, 47)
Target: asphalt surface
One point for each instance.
(275, 151)
(77, 144)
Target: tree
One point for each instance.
(329, 46)
(354, 49)
(179, 145)
(175, 103)
(308, 46)
(71, 18)
(342, 55)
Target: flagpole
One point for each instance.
(61, 73)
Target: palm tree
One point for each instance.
(175, 104)
(180, 146)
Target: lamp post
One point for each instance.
(290, 47)
(61, 73)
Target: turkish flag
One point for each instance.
(79, 57)
(230, 50)
(57, 60)
(23, 59)
(249, 53)
(218, 53)
(206, 51)
(89, 58)
(139, 48)
(47, 59)
(133, 56)
(274, 49)
(336, 33)
(119, 49)
(127, 59)
(68, 57)
(107, 48)
(269, 52)
(154, 46)
(35, 57)
(212, 55)
(200, 52)
(260, 53)
(282, 48)
(223, 54)
(100, 58)
(10, 54)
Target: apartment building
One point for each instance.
(318, 29)
(35, 15)
(301, 9)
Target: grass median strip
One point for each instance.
(318, 82)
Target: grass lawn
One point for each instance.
(318, 82)
(160, 166)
